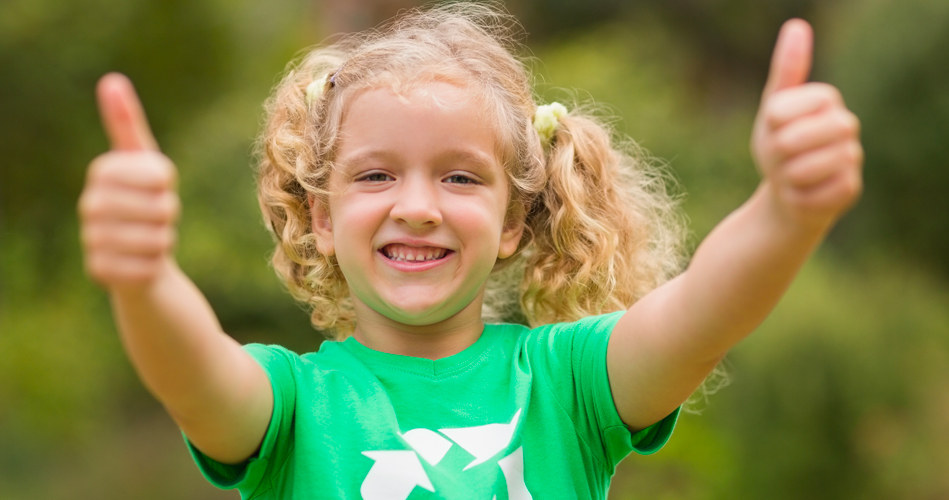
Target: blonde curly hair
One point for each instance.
(601, 229)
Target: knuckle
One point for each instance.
(851, 187)
(766, 155)
(141, 240)
(771, 111)
(165, 175)
(100, 167)
(171, 172)
(90, 237)
(82, 206)
(782, 146)
(834, 95)
(90, 204)
(168, 207)
(854, 123)
(167, 239)
(157, 239)
(828, 93)
(796, 176)
(792, 180)
(848, 123)
(175, 206)
(96, 268)
(853, 153)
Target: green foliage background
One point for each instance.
(842, 393)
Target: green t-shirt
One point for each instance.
(519, 414)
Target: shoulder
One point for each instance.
(280, 362)
(591, 327)
(559, 341)
(601, 323)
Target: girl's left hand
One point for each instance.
(805, 141)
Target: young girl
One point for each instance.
(399, 171)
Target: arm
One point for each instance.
(806, 145)
(212, 388)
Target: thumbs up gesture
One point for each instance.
(129, 206)
(805, 141)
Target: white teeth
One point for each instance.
(409, 255)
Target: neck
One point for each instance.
(432, 341)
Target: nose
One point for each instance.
(417, 203)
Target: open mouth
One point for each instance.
(403, 253)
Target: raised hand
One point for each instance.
(219, 396)
(805, 141)
(129, 205)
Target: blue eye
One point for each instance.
(375, 177)
(461, 179)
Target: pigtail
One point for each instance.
(605, 229)
(288, 181)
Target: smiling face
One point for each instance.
(417, 212)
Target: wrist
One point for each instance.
(789, 217)
(164, 268)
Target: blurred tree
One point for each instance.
(892, 63)
(734, 37)
(348, 16)
(52, 53)
(906, 102)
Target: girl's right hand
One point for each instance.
(129, 205)
(805, 141)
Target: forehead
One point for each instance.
(417, 123)
(427, 97)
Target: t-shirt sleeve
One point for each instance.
(250, 476)
(581, 348)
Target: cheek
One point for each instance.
(481, 223)
(353, 217)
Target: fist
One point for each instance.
(129, 206)
(805, 141)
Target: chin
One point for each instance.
(418, 314)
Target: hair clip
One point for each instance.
(547, 118)
(315, 90)
(333, 78)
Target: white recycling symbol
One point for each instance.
(395, 473)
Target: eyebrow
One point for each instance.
(467, 156)
(361, 157)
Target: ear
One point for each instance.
(322, 226)
(511, 233)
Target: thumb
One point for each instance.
(122, 115)
(793, 53)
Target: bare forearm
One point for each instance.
(686, 326)
(739, 273)
(213, 389)
(172, 338)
